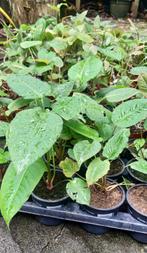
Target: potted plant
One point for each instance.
(119, 8)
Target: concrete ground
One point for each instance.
(26, 235)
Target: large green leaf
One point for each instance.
(130, 113)
(96, 170)
(17, 187)
(28, 87)
(84, 150)
(121, 94)
(82, 129)
(69, 167)
(4, 126)
(78, 190)
(140, 165)
(32, 133)
(85, 70)
(116, 144)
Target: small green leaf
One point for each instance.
(116, 144)
(28, 87)
(84, 150)
(121, 94)
(96, 170)
(69, 167)
(17, 187)
(78, 190)
(85, 70)
(4, 156)
(29, 44)
(17, 104)
(140, 165)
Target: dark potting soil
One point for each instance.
(58, 191)
(115, 167)
(138, 199)
(101, 198)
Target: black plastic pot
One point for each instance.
(131, 176)
(134, 212)
(140, 237)
(119, 8)
(118, 176)
(99, 211)
(49, 203)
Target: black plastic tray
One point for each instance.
(96, 224)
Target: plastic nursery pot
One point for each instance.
(49, 203)
(119, 8)
(102, 211)
(137, 205)
(117, 170)
(135, 176)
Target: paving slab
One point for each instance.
(27, 235)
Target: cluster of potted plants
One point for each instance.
(72, 92)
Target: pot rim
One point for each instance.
(112, 208)
(128, 201)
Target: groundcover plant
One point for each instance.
(75, 92)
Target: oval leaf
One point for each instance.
(122, 94)
(29, 44)
(140, 165)
(84, 150)
(116, 144)
(78, 190)
(32, 133)
(69, 167)
(130, 113)
(96, 170)
(28, 87)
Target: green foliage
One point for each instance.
(130, 113)
(28, 87)
(69, 167)
(31, 134)
(122, 94)
(140, 165)
(96, 170)
(84, 150)
(17, 187)
(77, 190)
(84, 71)
(116, 144)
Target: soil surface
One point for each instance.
(58, 191)
(138, 199)
(101, 198)
(115, 167)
